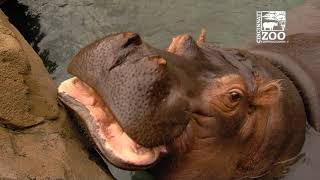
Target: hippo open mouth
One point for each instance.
(132, 99)
(108, 136)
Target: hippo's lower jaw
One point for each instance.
(111, 141)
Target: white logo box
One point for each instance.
(271, 26)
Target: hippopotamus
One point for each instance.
(195, 110)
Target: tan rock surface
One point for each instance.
(37, 139)
(27, 95)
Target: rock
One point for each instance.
(27, 96)
(37, 138)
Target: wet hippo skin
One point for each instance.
(195, 110)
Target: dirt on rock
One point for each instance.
(37, 138)
(27, 95)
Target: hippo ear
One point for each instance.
(185, 46)
(267, 93)
(202, 36)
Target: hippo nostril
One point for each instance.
(132, 38)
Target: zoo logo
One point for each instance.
(271, 27)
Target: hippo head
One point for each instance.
(194, 102)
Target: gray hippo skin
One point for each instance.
(195, 110)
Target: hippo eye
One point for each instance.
(234, 96)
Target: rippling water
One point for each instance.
(71, 24)
(68, 25)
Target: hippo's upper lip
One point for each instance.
(112, 142)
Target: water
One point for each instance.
(308, 166)
(64, 26)
(71, 24)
